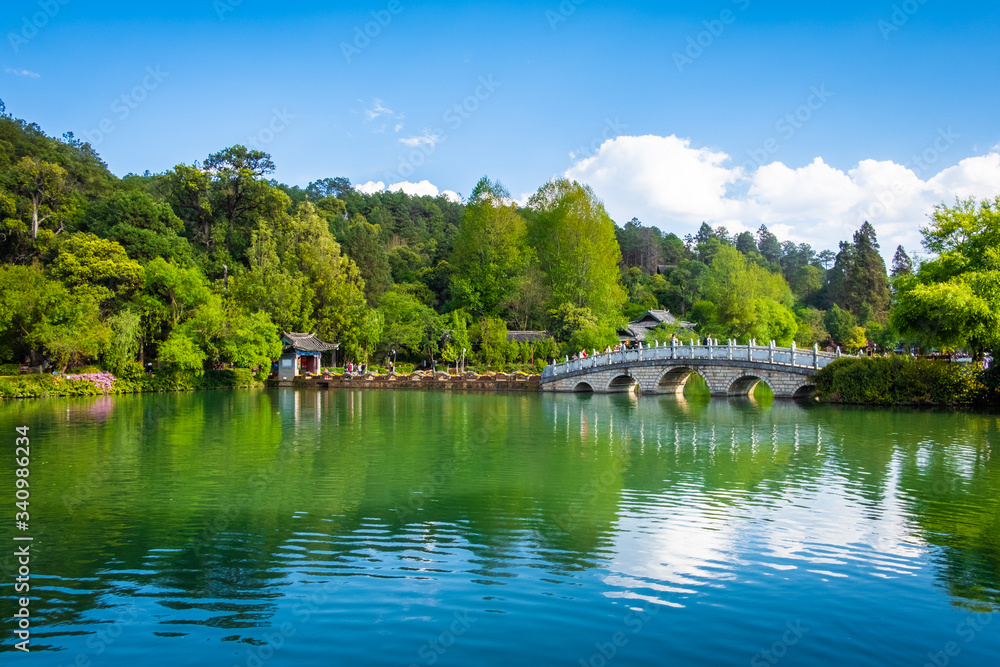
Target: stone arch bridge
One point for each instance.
(729, 370)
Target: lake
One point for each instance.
(296, 527)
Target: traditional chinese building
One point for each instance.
(637, 329)
(302, 355)
(527, 336)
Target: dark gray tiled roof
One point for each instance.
(527, 336)
(307, 342)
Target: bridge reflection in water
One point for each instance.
(728, 370)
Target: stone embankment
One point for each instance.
(515, 382)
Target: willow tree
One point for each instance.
(953, 300)
(574, 239)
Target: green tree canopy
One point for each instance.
(144, 227)
(97, 267)
(577, 250)
(491, 253)
(953, 299)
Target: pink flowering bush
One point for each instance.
(103, 381)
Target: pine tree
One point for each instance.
(768, 244)
(746, 243)
(866, 282)
(901, 263)
(705, 234)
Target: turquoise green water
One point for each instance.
(417, 528)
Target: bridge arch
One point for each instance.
(673, 380)
(745, 383)
(621, 383)
(583, 388)
(804, 392)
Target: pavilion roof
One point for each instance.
(307, 342)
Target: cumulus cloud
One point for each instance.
(422, 189)
(371, 187)
(667, 182)
(665, 173)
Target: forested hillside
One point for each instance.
(206, 264)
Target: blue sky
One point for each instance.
(674, 112)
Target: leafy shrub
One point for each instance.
(25, 386)
(986, 387)
(133, 380)
(895, 381)
(84, 370)
(10, 369)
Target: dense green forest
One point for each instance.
(207, 263)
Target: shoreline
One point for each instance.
(16, 387)
(501, 382)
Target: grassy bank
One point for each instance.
(31, 386)
(890, 381)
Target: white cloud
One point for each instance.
(666, 182)
(22, 72)
(370, 188)
(421, 189)
(378, 109)
(681, 183)
(428, 138)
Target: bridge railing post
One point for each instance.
(673, 348)
(793, 354)
(770, 352)
(816, 356)
(731, 349)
